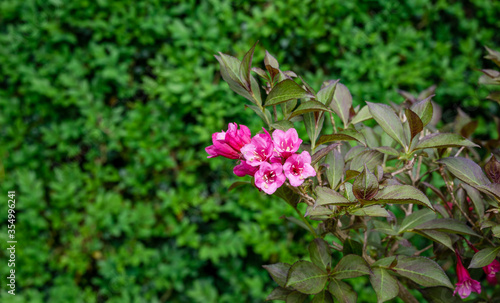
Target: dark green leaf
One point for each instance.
(288, 195)
(322, 153)
(402, 194)
(342, 292)
(272, 65)
(342, 102)
(492, 169)
(385, 286)
(389, 121)
(388, 150)
(351, 266)
(363, 115)
(352, 247)
(439, 295)
(237, 184)
(309, 106)
(325, 95)
(493, 55)
(344, 135)
(442, 141)
(416, 125)
(278, 272)
(436, 236)
(296, 297)
(370, 158)
(262, 73)
(424, 110)
(279, 293)
(320, 253)
(365, 186)
(371, 211)
(466, 170)
(246, 67)
(416, 218)
(265, 117)
(323, 297)
(327, 196)
(335, 169)
(351, 174)
(306, 277)
(282, 125)
(384, 228)
(484, 257)
(476, 199)
(284, 91)
(447, 225)
(229, 70)
(469, 128)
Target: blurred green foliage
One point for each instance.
(106, 107)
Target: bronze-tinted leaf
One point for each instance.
(424, 109)
(272, 65)
(246, 67)
(492, 169)
(416, 125)
(365, 186)
(342, 102)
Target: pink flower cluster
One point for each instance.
(270, 160)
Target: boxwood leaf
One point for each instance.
(466, 170)
(306, 277)
(278, 272)
(447, 225)
(322, 297)
(284, 91)
(342, 292)
(443, 140)
(389, 121)
(385, 286)
(402, 194)
(484, 257)
(320, 253)
(365, 186)
(351, 266)
(342, 102)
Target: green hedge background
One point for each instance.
(106, 108)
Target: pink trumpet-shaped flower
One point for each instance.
(244, 169)
(298, 167)
(269, 177)
(465, 284)
(286, 143)
(491, 269)
(228, 144)
(259, 149)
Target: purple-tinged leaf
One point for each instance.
(428, 92)
(371, 211)
(385, 285)
(325, 95)
(278, 272)
(388, 151)
(407, 95)
(389, 121)
(492, 169)
(439, 295)
(370, 158)
(323, 297)
(447, 225)
(342, 291)
(350, 266)
(344, 135)
(229, 70)
(466, 170)
(272, 65)
(306, 277)
(416, 125)
(246, 67)
(436, 236)
(493, 55)
(283, 125)
(362, 115)
(262, 73)
(469, 128)
(322, 153)
(365, 186)
(416, 218)
(335, 169)
(424, 110)
(484, 257)
(327, 196)
(439, 140)
(494, 96)
(309, 106)
(401, 194)
(342, 102)
(351, 174)
(284, 91)
(477, 200)
(320, 253)
(237, 184)
(296, 297)
(308, 88)
(279, 293)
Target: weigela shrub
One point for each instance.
(399, 194)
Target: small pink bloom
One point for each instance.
(286, 143)
(244, 169)
(259, 149)
(228, 144)
(465, 284)
(298, 167)
(491, 271)
(269, 177)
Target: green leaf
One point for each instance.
(416, 125)
(350, 266)
(246, 67)
(493, 55)
(306, 277)
(282, 125)
(388, 151)
(424, 110)
(342, 292)
(262, 73)
(371, 211)
(421, 270)
(327, 196)
(365, 186)
(335, 169)
(278, 272)
(443, 140)
(476, 200)
(439, 295)
(288, 195)
(385, 286)
(484, 257)
(322, 153)
(296, 297)
(466, 170)
(229, 69)
(266, 116)
(279, 293)
(416, 218)
(342, 102)
(363, 115)
(389, 121)
(237, 184)
(320, 253)
(370, 158)
(384, 228)
(323, 297)
(272, 65)
(352, 247)
(492, 169)
(447, 225)
(402, 194)
(496, 231)
(344, 135)
(309, 106)
(436, 236)
(325, 95)
(284, 91)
